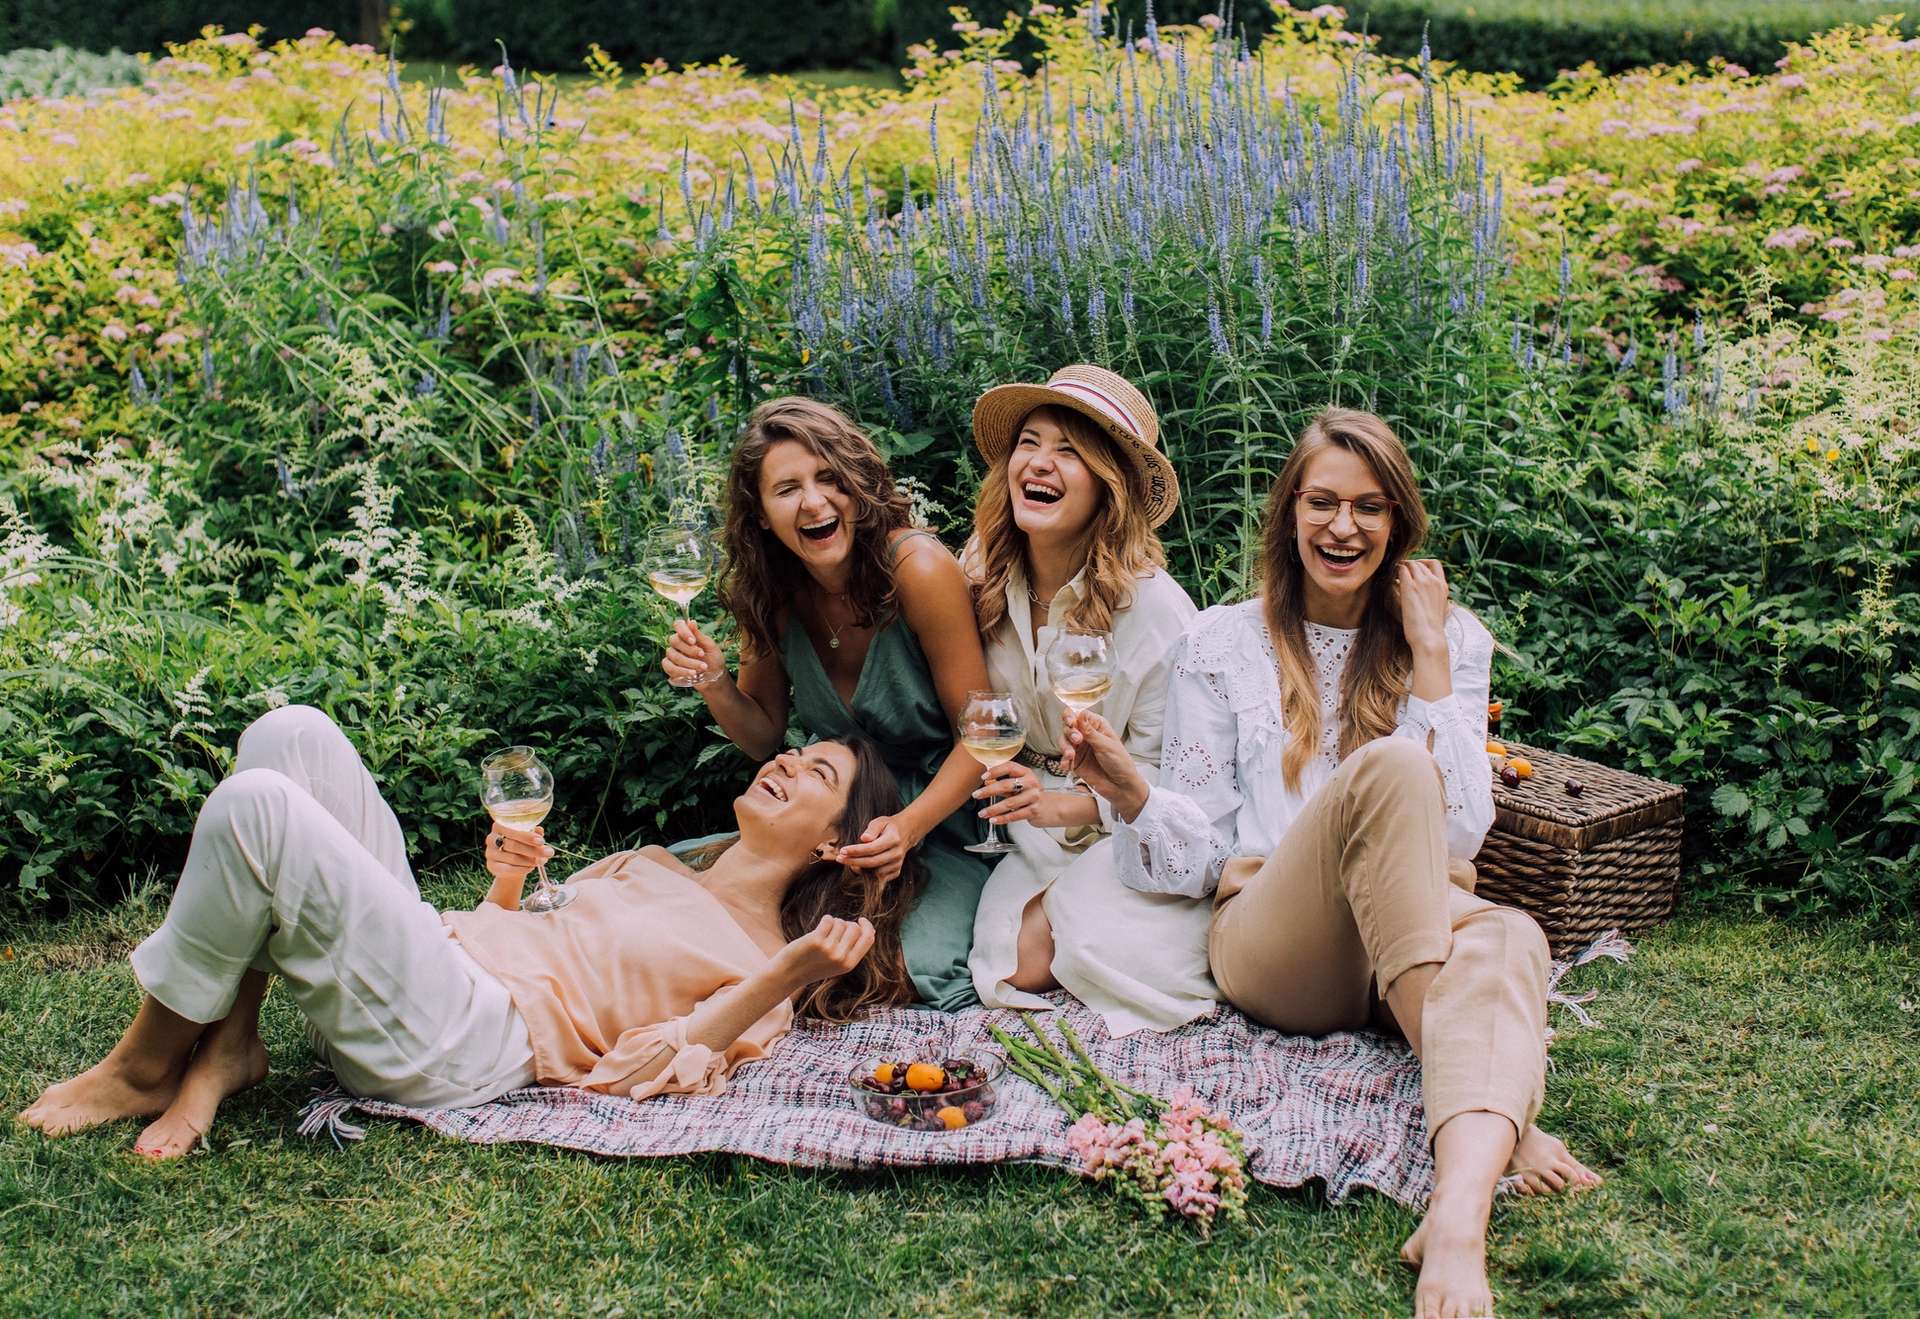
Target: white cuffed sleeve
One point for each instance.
(1184, 834)
(1455, 729)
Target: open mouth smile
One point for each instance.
(1037, 492)
(773, 787)
(821, 532)
(1339, 558)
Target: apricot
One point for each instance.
(1496, 748)
(1522, 766)
(925, 1076)
(1494, 710)
(952, 1118)
(883, 1074)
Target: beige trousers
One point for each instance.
(298, 866)
(1357, 893)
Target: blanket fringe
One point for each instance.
(326, 1115)
(1610, 944)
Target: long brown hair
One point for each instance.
(1379, 669)
(1121, 545)
(762, 577)
(827, 888)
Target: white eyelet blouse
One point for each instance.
(1221, 792)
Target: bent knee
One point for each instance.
(1517, 934)
(245, 794)
(276, 730)
(1390, 764)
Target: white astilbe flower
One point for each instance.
(271, 697)
(545, 584)
(385, 559)
(19, 551)
(922, 507)
(193, 705)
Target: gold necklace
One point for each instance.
(833, 638)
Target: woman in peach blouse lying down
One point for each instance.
(653, 980)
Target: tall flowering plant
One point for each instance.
(1172, 1156)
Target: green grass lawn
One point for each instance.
(1751, 1094)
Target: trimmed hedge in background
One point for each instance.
(794, 34)
(147, 25)
(1539, 38)
(1535, 38)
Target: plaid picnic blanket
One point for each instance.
(1341, 1109)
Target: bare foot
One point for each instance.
(105, 1092)
(219, 1070)
(1450, 1250)
(1545, 1165)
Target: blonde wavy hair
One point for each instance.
(1121, 546)
(1379, 671)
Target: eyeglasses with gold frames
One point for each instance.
(1319, 507)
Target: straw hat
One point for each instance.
(1104, 399)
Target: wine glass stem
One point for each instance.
(546, 885)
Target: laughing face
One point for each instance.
(1054, 494)
(1340, 557)
(803, 504)
(798, 795)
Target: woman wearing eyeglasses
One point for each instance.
(1324, 776)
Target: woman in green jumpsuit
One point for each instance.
(853, 620)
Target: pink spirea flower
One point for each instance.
(1837, 244)
(1792, 238)
(1786, 174)
(1790, 82)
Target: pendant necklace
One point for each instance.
(833, 639)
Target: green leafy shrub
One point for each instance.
(64, 72)
(406, 397)
(1537, 39)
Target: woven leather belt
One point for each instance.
(1034, 760)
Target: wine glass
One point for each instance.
(517, 789)
(679, 561)
(992, 732)
(1080, 667)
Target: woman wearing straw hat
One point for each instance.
(1064, 542)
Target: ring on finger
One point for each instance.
(499, 843)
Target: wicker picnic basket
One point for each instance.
(1606, 859)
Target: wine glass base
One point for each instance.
(991, 849)
(552, 900)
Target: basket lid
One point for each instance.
(1612, 803)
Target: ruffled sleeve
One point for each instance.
(1184, 834)
(657, 1060)
(1455, 729)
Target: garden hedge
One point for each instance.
(1538, 38)
(149, 24)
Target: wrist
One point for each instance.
(1131, 800)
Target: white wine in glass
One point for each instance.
(679, 563)
(992, 732)
(1080, 667)
(517, 790)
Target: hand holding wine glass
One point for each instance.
(1080, 667)
(517, 791)
(993, 733)
(679, 561)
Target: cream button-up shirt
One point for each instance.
(1139, 959)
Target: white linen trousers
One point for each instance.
(298, 867)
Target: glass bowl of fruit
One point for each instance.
(950, 1094)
